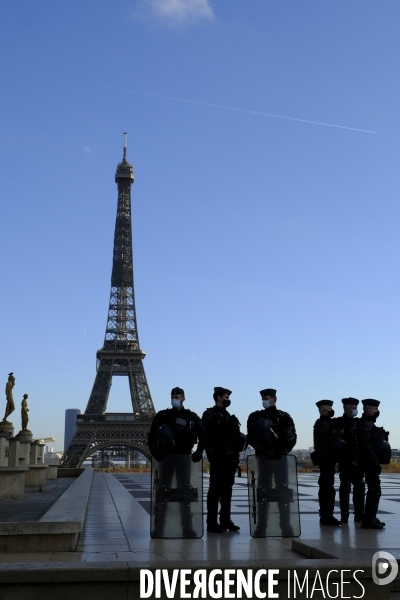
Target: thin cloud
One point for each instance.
(174, 12)
(87, 150)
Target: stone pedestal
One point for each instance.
(36, 475)
(24, 435)
(13, 452)
(4, 449)
(37, 469)
(37, 453)
(12, 482)
(40, 453)
(7, 428)
(51, 472)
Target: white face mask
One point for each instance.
(176, 403)
(266, 404)
(354, 412)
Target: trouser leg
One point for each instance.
(373, 495)
(227, 481)
(326, 493)
(264, 482)
(281, 483)
(183, 480)
(166, 469)
(358, 492)
(344, 491)
(214, 493)
(226, 497)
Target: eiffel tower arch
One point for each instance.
(120, 355)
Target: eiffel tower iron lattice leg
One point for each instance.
(121, 354)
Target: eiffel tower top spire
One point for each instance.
(124, 168)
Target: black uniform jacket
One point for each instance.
(187, 430)
(347, 430)
(323, 438)
(222, 433)
(366, 431)
(283, 427)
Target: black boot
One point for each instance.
(214, 527)
(230, 526)
(371, 507)
(284, 520)
(331, 521)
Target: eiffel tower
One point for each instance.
(120, 355)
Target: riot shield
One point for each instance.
(176, 497)
(273, 496)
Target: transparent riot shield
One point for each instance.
(176, 497)
(273, 497)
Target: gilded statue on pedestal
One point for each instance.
(24, 413)
(10, 407)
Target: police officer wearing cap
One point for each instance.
(224, 442)
(374, 450)
(176, 430)
(272, 433)
(350, 470)
(323, 455)
(282, 425)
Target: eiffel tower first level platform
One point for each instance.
(95, 432)
(120, 355)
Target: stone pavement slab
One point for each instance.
(34, 504)
(117, 525)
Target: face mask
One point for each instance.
(354, 412)
(266, 404)
(226, 403)
(175, 403)
(330, 413)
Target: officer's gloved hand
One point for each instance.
(158, 456)
(197, 456)
(278, 454)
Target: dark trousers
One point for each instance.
(222, 478)
(273, 474)
(351, 474)
(373, 482)
(326, 493)
(180, 469)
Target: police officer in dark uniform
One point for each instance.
(175, 431)
(324, 435)
(272, 433)
(370, 439)
(224, 442)
(350, 471)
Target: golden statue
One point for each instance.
(10, 407)
(24, 413)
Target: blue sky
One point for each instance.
(266, 249)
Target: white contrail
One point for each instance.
(244, 110)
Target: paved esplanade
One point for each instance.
(117, 527)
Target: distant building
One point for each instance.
(70, 425)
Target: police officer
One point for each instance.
(369, 440)
(272, 433)
(324, 435)
(224, 442)
(350, 471)
(175, 431)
